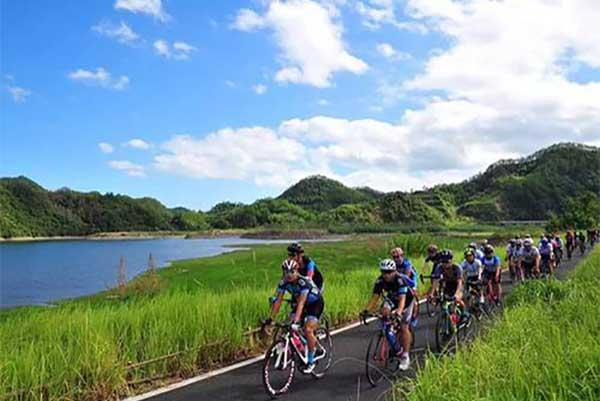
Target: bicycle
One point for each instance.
(289, 349)
(449, 326)
(475, 307)
(492, 300)
(381, 360)
(546, 267)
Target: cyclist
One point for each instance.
(433, 256)
(478, 252)
(557, 245)
(405, 267)
(308, 267)
(511, 249)
(581, 242)
(398, 301)
(529, 258)
(492, 271)
(547, 255)
(307, 305)
(472, 273)
(451, 275)
(570, 240)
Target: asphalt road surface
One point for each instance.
(345, 381)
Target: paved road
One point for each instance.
(345, 380)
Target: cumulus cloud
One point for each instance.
(100, 77)
(122, 33)
(309, 56)
(376, 13)
(153, 8)
(388, 51)
(500, 89)
(259, 89)
(178, 50)
(137, 143)
(131, 169)
(106, 147)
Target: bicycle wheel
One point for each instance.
(378, 359)
(324, 353)
(445, 334)
(278, 368)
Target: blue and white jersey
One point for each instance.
(408, 273)
(304, 286)
(546, 250)
(479, 254)
(491, 264)
(471, 271)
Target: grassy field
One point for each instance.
(545, 347)
(80, 349)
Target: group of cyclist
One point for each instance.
(478, 273)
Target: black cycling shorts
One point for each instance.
(490, 276)
(313, 311)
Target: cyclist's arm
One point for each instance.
(401, 303)
(276, 305)
(310, 269)
(373, 301)
(300, 306)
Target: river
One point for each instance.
(36, 273)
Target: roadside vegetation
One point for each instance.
(80, 349)
(546, 346)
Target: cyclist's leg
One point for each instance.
(386, 311)
(405, 333)
(311, 324)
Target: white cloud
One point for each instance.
(132, 169)
(323, 102)
(18, 94)
(376, 13)
(122, 33)
(388, 51)
(230, 84)
(309, 56)
(149, 7)
(179, 50)
(259, 89)
(106, 147)
(137, 143)
(100, 77)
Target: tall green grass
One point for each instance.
(545, 347)
(80, 349)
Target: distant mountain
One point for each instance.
(27, 209)
(531, 188)
(318, 193)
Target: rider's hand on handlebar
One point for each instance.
(295, 326)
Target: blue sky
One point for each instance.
(199, 102)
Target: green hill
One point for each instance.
(532, 188)
(319, 193)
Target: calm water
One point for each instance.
(33, 273)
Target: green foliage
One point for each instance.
(190, 221)
(399, 207)
(318, 193)
(546, 346)
(581, 212)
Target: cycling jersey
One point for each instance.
(479, 254)
(452, 275)
(304, 286)
(528, 256)
(491, 264)
(408, 273)
(472, 271)
(546, 251)
(310, 270)
(393, 289)
(510, 251)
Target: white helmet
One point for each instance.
(387, 265)
(289, 266)
(527, 242)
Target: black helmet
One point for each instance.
(294, 249)
(488, 249)
(446, 256)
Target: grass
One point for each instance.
(546, 346)
(80, 349)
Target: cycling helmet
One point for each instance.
(473, 245)
(484, 242)
(512, 241)
(294, 249)
(397, 252)
(387, 265)
(528, 243)
(432, 249)
(446, 256)
(469, 251)
(488, 249)
(289, 266)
